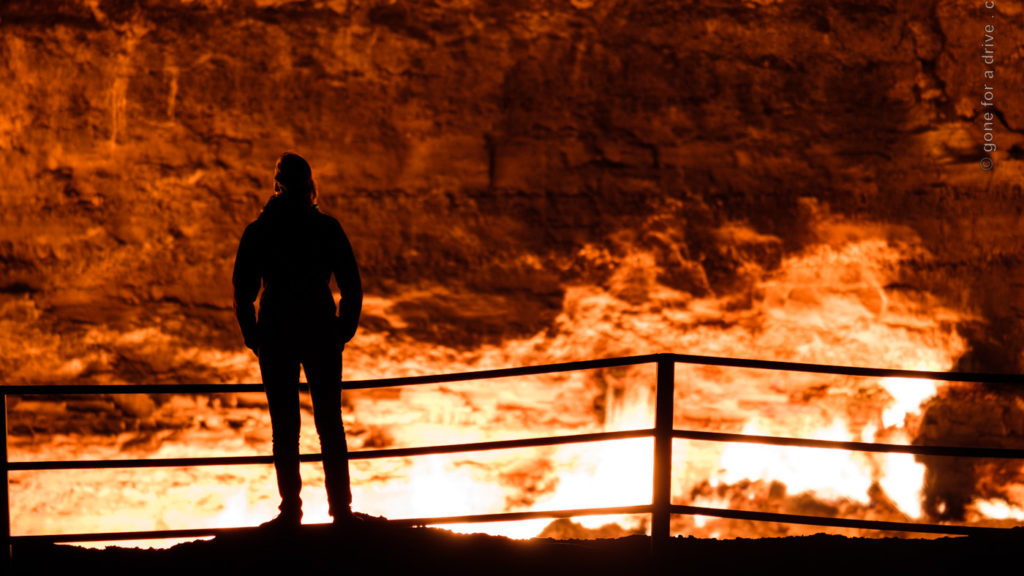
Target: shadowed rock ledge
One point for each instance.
(391, 550)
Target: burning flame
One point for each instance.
(830, 304)
(999, 509)
(909, 394)
(828, 473)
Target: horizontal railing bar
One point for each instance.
(118, 536)
(516, 516)
(859, 446)
(69, 389)
(148, 463)
(357, 455)
(505, 372)
(984, 377)
(199, 532)
(503, 444)
(348, 385)
(840, 522)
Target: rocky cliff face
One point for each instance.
(476, 153)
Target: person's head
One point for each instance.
(294, 178)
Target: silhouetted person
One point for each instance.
(292, 250)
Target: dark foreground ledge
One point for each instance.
(386, 549)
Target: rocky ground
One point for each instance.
(391, 550)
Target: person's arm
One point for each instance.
(346, 272)
(246, 280)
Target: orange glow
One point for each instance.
(829, 304)
(522, 183)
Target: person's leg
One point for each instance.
(323, 371)
(280, 369)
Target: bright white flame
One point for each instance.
(902, 482)
(909, 394)
(999, 509)
(824, 471)
(616, 473)
(432, 486)
(236, 512)
(518, 530)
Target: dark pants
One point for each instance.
(279, 365)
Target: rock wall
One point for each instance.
(479, 153)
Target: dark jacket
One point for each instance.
(292, 250)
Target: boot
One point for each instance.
(288, 519)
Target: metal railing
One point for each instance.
(660, 508)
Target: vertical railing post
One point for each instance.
(662, 495)
(6, 500)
